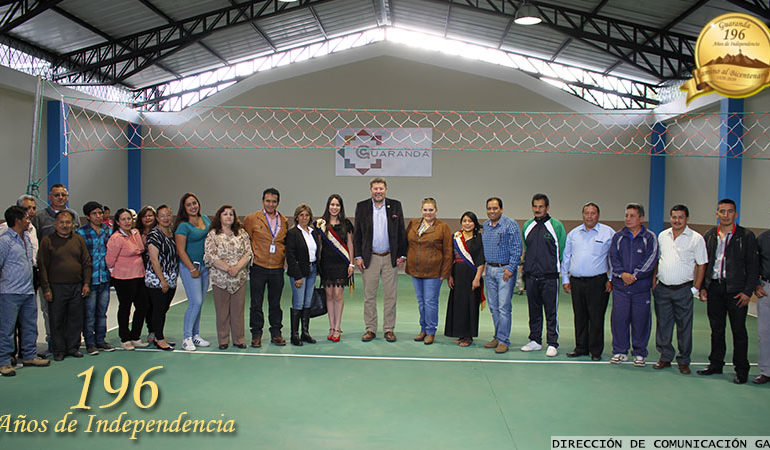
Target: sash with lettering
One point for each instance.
(338, 245)
(462, 249)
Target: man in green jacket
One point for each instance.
(544, 240)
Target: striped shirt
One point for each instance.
(97, 247)
(678, 257)
(15, 264)
(502, 243)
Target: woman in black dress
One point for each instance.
(467, 291)
(336, 260)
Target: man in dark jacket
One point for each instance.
(379, 243)
(732, 275)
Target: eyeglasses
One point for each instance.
(429, 198)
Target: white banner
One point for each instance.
(399, 152)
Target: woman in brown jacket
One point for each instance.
(429, 262)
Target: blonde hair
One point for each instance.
(430, 200)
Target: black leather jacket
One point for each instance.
(741, 260)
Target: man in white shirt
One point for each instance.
(681, 268)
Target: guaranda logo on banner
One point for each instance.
(733, 58)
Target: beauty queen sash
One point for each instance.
(333, 239)
(462, 249)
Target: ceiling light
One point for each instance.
(527, 14)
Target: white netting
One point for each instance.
(93, 125)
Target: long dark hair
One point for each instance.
(216, 223)
(472, 216)
(341, 216)
(181, 213)
(116, 221)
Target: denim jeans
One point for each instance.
(426, 290)
(95, 314)
(196, 289)
(499, 294)
(11, 307)
(301, 297)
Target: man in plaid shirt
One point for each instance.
(96, 236)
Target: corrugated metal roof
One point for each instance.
(296, 24)
(191, 59)
(583, 55)
(420, 15)
(149, 76)
(291, 28)
(117, 18)
(237, 43)
(485, 29)
(52, 31)
(343, 16)
(182, 9)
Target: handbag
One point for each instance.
(318, 302)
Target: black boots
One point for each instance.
(295, 316)
(305, 326)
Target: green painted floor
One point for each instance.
(385, 395)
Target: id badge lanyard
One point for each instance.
(273, 233)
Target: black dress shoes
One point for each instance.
(596, 357)
(575, 354)
(75, 354)
(709, 371)
(741, 378)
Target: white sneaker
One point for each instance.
(531, 347)
(128, 345)
(551, 351)
(188, 345)
(618, 358)
(200, 342)
(140, 344)
(639, 361)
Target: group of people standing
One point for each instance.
(143, 255)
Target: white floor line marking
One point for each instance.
(390, 358)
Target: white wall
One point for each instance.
(16, 114)
(461, 180)
(97, 176)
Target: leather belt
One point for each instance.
(676, 286)
(588, 278)
(381, 254)
(497, 264)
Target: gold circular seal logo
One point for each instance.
(733, 57)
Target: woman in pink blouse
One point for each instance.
(124, 260)
(227, 252)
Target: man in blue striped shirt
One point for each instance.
(17, 294)
(502, 252)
